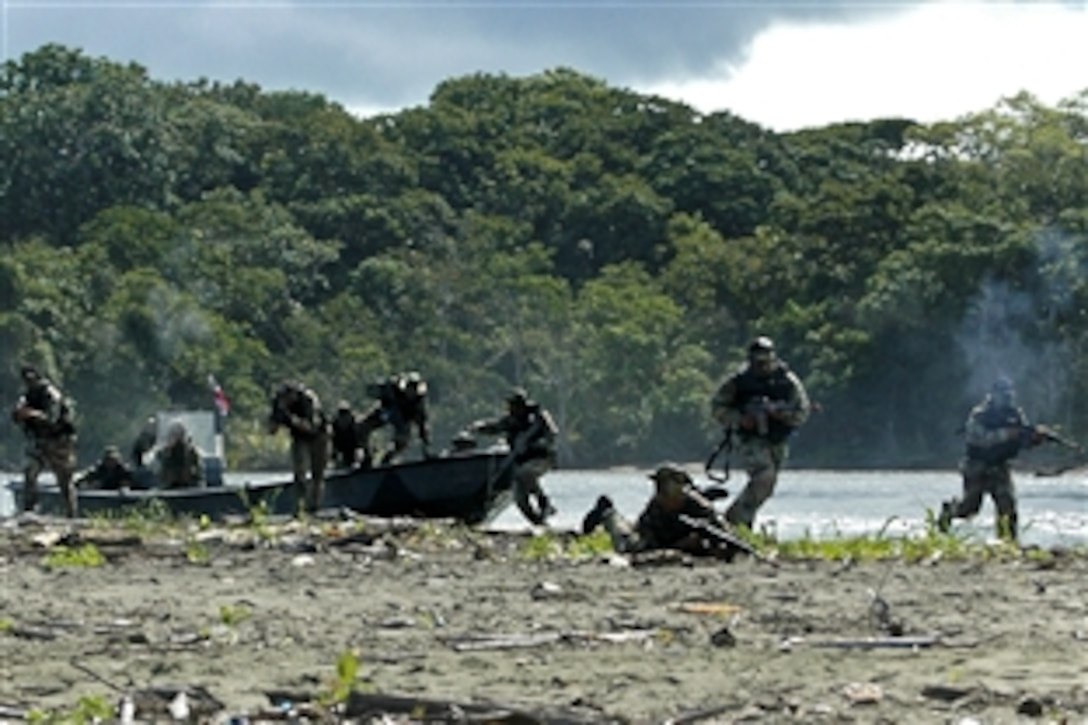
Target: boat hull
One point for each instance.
(473, 488)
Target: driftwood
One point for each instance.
(29, 632)
(475, 643)
(946, 693)
(13, 712)
(363, 705)
(867, 642)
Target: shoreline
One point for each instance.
(256, 618)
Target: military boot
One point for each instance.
(944, 520)
(596, 514)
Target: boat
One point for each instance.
(215, 502)
(472, 487)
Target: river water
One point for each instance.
(818, 504)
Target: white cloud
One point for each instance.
(934, 62)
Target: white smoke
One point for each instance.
(1013, 332)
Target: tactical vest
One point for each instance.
(542, 442)
(44, 397)
(40, 397)
(305, 406)
(991, 418)
(775, 387)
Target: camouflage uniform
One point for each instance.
(145, 441)
(45, 417)
(299, 409)
(995, 432)
(659, 525)
(109, 474)
(531, 434)
(180, 463)
(345, 436)
(402, 403)
(761, 404)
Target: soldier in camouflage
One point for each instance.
(45, 416)
(179, 462)
(995, 432)
(531, 434)
(762, 404)
(346, 442)
(401, 404)
(109, 474)
(660, 525)
(297, 408)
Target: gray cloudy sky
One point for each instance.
(390, 54)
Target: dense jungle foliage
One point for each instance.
(611, 251)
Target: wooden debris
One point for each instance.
(866, 642)
(502, 641)
(30, 632)
(475, 643)
(371, 706)
(13, 712)
(721, 609)
(945, 693)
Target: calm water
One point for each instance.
(1053, 510)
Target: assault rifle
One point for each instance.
(762, 409)
(1049, 435)
(721, 535)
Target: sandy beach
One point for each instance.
(250, 621)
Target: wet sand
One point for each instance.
(251, 621)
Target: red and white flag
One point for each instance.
(222, 402)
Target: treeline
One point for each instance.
(611, 251)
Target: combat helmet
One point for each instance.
(670, 477)
(518, 396)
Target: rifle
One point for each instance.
(721, 535)
(1050, 435)
(762, 409)
(725, 445)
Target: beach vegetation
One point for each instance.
(147, 517)
(591, 545)
(88, 709)
(85, 555)
(930, 545)
(233, 615)
(543, 547)
(196, 552)
(259, 519)
(551, 545)
(6, 625)
(344, 682)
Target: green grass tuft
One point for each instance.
(87, 555)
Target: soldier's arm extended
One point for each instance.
(494, 427)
